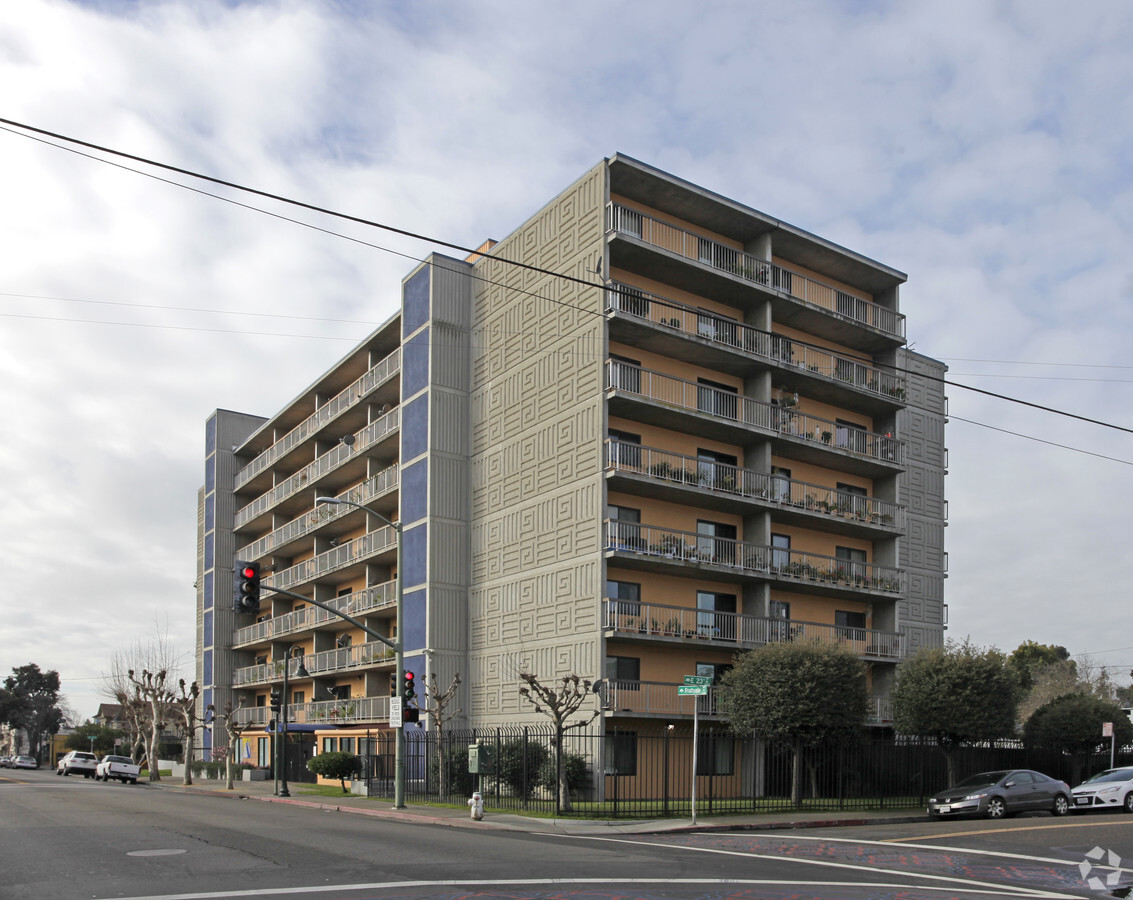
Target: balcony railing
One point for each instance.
(340, 557)
(721, 478)
(376, 597)
(332, 459)
(626, 221)
(732, 407)
(779, 563)
(658, 698)
(329, 410)
(651, 620)
(324, 662)
(781, 351)
(325, 712)
(372, 487)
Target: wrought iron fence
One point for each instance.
(637, 772)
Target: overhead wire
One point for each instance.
(451, 245)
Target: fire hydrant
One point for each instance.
(477, 805)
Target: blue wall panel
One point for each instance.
(415, 364)
(415, 491)
(415, 302)
(415, 427)
(413, 620)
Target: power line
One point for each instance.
(467, 250)
(1042, 441)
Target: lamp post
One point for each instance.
(398, 650)
(301, 672)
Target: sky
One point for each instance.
(984, 148)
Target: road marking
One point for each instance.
(928, 837)
(778, 857)
(556, 882)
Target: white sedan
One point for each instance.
(1111, 789)
(24, 762)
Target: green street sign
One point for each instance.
(698, 690)
(698, 679)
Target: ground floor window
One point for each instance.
(621, 753)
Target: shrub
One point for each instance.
(519, 766)
(335, 765)
(459, 781)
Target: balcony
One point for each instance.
(832, 377)
(307, 477)
(731, 417)
(372, 599)
(735, 489)
(361, 549)
(342, 401)
(668, 550)
(660, 699)
(325, 712)
(375, 486)
(743, 268)
(654, 622)
(326, 662)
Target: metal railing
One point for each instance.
(783, 352)
(347, 554)
(324, 662)
(375, 597)
(779, 563)
(650, 620)
(777, 490)
(332, 459)
(733, 407)
(375, 486)
(342, 401)
(329, 712)
(626, 221)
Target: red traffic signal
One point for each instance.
(247, 593)
(409, 692)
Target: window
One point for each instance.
(343, 640)
(715, 753)
(625, 527)
(715, 671)
(850, 435)
(625, 373)
(340, 692)
(346, 745)
(715, 615)
(717, 470)
(261, 700)
(780, 614)
(621, 753)
(344, 592)
(298, 696)
(625, 449)
(780, 484)
(780, 552)
(851, 561)
(853, 499)
(850, 625)
(328, 744)
(716, 542)
(627, 596)
(624, 672)
(261, 660)
(717, 399)
(263, 751)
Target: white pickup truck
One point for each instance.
(120, 767)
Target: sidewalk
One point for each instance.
(460, 817)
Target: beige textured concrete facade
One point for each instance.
(707, 437)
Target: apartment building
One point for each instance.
(649, 429)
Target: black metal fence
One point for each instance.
(649, 773)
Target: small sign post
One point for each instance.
(395, 712)
(695, 686)
(1107, 731)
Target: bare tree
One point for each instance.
(559, 701)
(235, 730)
(151, 688)
(184, 706)
(436, 706)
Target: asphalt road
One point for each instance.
(65, 839)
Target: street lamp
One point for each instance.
(398, 650)
(301, 672)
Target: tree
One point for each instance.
(184, 707)
(1048, 683)
(1073, 725)
(335, 764)
(234, 729)
(436, 706)
(955, 694)
(150, 688)
(559, 701)
(798, 694)
(32, 703)
(1029, 658)
(106, 739)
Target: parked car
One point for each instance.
(24, 762)
(5, 761)
(77, 762)
(1000, 794)
(1111, 789)
(120, 767)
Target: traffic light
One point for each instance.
(247, 593)
(409, 692)
(276, 699)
